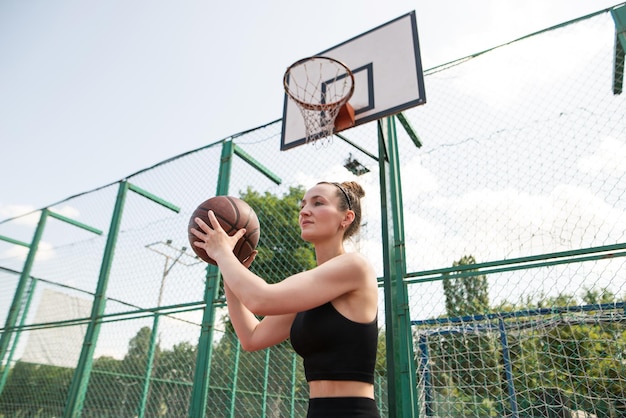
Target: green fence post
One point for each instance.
(266, 376)
(619, 18)
(19, 292)
(402, 394)
(205, 345)
(80, 379)
(202, 372)
(16, 304)
(145, 391)
(233, 386)
(29, 299)
(294, 365)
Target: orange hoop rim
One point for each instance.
(322, 106)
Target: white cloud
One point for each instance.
(45, 251)
(18, 212)
(609, 157)
(417, 178)
(68, 211)
(504, 76)
(494, 223)
(29, 216)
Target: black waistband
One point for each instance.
(354, 407)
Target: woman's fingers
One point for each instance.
(214, 222)
(212, 237)
(239, 234)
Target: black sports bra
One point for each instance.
(334, 347)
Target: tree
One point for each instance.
(103, 392)
(573, 359)
(281, 250)
(130, 382)
(467, 357)
(466, 295)
(35, 390)
(582, 354)
(172, 380)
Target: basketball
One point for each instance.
(233, 214)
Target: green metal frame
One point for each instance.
(29, 299)
(202, 371)
(619, 18)
(14, 310)
(205, 344)
(401, 368)
(18, 296)
(149, 365)
(80, 379)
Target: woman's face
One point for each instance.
(320, 216)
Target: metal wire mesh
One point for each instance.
(521, 171)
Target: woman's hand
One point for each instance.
(248, 261)
(215, 241)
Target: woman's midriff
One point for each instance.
(340, 388)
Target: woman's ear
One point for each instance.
(349, 217)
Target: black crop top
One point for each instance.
(334, 347)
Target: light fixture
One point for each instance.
(354, 166)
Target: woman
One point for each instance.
(329, 312)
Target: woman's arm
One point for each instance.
(302, 291)
(254, 334)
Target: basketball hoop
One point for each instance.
(321, 87)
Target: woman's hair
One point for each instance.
(349, 194)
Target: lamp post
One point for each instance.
(175, 254)
(170, 252)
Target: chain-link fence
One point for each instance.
(514, 217)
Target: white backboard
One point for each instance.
(388, 74)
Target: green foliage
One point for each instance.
(135, 360)
(461, 353)
(577, 358)
(29, 384)
(116, 386)
(594, 296)
(466, 295)
(282, 252)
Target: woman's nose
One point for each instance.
(304, 210)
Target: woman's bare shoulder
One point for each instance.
(358, 262)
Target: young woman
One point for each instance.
(329, 312)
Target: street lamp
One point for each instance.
(354, 166)
(170, 252)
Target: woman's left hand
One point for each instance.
(248, 261)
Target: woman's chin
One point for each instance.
(306, 236)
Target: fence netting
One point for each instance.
(514, 213)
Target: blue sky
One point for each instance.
(91, 92)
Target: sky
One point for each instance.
(91, 92)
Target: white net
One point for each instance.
(319, 86)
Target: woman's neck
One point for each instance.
(325, 253)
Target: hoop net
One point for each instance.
(320, 86)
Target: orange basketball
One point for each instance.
(233, 214)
